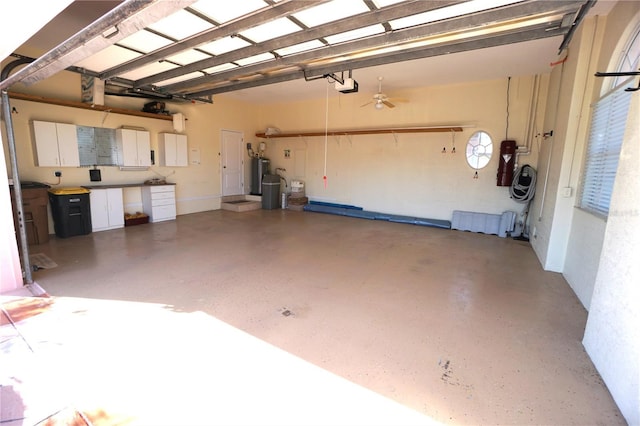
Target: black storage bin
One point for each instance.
(71, 211)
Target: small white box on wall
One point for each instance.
(179, 122)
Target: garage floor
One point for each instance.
(283, 317)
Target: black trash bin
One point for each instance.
(71, 211)
(270, 192)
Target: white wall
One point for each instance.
(407, 174)
(612, 335)
(561, 154)
(598, 258)
(583, 254)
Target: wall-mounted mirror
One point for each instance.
(97, 146)
(479, 150)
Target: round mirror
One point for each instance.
(479, 150)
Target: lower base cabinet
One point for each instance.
(107, 209)
(159, 202)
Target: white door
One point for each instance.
(232, 163)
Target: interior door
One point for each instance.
(232, 163)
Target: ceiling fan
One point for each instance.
(380, 100)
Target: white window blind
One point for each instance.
(608, 121)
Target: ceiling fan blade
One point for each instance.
(398, 100)
(368, 103)
(389, 104)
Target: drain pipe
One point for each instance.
(17, 189)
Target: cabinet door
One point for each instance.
(182, 151)
(99, 209)
(143, 147)
(46, 138)
(127, 142)
(115, 207)
(68, 145)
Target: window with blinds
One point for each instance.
(608, 120)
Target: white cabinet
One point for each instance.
(107, 209)
(159, 202)
(56, 144)
(173, 149)
(134, 148)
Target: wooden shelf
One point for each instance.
(82, 105)
(426, 129)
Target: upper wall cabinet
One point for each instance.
(173, 150)
(56, 144)
(134, 148)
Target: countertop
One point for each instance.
(124, 185)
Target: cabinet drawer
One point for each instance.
(163, 202)
(164, 212)
(163, 195)
(161, 188)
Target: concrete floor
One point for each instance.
(457, 327)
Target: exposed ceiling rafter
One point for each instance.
(206, 50)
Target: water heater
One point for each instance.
(507, 162)
(259, 168)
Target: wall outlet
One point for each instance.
(566, 192)
(287, 153)
(57, 174)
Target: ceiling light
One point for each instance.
(379, 105)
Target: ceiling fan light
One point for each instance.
(379, 105)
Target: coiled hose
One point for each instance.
(523, 187)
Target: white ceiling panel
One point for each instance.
(224, 45)
(271, 30)
(329, 12)
(448, 12)
(220, 68)
(145, 41)
(179, 79)
(309, 45)
(151, 69)
(355, 34)
(188, 57)
(255, 59)
(107, 58)
(181, 25)
(230, 11)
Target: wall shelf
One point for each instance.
(82, 105)
(390, 130)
